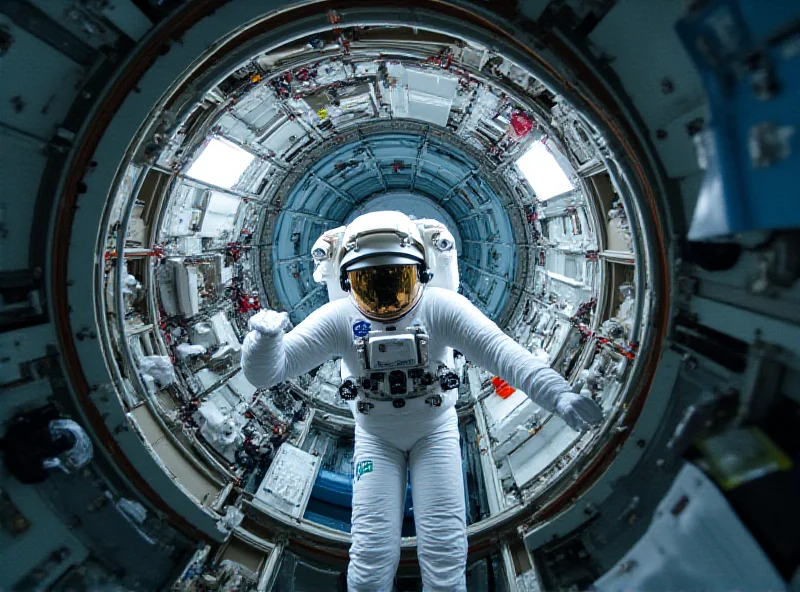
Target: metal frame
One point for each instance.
(120, 113)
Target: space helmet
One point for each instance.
(382, 265)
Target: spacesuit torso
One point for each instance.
(409, 377)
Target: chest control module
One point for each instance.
(395, 366)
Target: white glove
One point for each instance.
(578, 411)
(269, 322)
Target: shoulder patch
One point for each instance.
(361, 328)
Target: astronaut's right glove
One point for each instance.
(269, 323)
(578, 411)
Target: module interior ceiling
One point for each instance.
(215, 215)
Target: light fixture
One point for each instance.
(221, 163)
(543, 172)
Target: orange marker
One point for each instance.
(502, 388)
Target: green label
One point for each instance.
(363, 467)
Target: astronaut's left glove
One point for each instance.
(578, 411)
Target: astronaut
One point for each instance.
(396, 333)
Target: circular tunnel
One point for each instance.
(242, 152)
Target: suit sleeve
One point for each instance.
(468, 330)
(267, 361)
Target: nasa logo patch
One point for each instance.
(361, 328)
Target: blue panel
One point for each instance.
(331, 502)
(328, 515)
(750, 65)
(334, 488)
(442, 175)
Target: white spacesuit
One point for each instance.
(395, 335)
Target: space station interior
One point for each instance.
(617, 178)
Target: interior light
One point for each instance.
(221, 163)
(543, 172)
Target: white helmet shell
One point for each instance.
(380, 236)
(438, 243)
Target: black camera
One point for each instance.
(448, 379)
(348, 390)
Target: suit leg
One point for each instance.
(437, 485)
(379, 486)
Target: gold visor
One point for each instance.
(387, 292)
